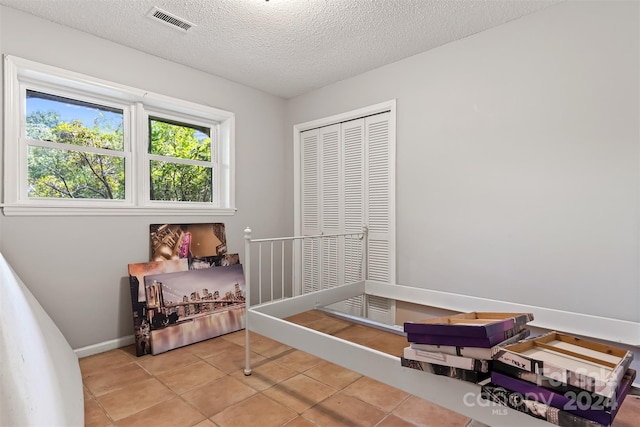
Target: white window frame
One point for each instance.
(137, 105)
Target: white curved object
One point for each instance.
(40, 379)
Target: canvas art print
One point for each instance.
(191, 306)
(137, 272)
(214, 261)
(190, 241)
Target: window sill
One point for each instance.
(15, 210)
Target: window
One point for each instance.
(75, 149)
(180, 161)
(76, 144)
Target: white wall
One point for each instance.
(77, 266)
(517, 166)
(517, 159)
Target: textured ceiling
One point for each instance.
(284, 47)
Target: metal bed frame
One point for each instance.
(286, 296)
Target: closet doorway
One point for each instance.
(344, 168)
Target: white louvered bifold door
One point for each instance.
(380, 208)
(352, 133)
(353, 149)
(331, 203)
(347, 182)
(311, 213)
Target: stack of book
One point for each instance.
(463, 345)
(562, 379)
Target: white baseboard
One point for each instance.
(101, 347)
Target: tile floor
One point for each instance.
(204, 385)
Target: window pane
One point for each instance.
(57, 119)
(179, 140)
(180, 183)
(74, 174)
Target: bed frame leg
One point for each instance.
(247, 301)
(247, 348)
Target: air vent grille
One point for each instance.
(169, 19)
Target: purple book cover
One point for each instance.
(483, 342)
(581, 404)
(474, 324)
(514, 400)
(549, 383)
(473, 352)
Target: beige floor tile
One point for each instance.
(474, 423)
(188, 377)
(174, 412)
(328, 325)
(205, 423)
(376, 393)
(168, 361)
(218, 395)
(332, 375)
(299, 421)
(238, 337)
(357, 332)
(131, 350)
(134, 398)
(297, 360)
(299, 393)
(210, 347)
(343, 410)
(629, 413)
(107, 360)
(306, 317)
(360, 340)
(114, 378)
(267, 347)
(427, 414)
(265, 375)
(393, 421)
(388, 343)
(256, 410)
(94, 416)
(233, 359)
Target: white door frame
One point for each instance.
(382, 107)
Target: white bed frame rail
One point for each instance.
(284, 273)
(266, 318)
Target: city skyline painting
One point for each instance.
(137, 272)
(190, 306)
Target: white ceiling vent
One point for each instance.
(169, 19)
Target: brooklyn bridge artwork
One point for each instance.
(189, 306)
